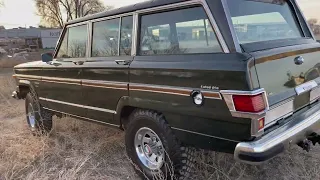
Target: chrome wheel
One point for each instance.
(149, 148)
(31, 116)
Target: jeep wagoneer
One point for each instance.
(236, 76)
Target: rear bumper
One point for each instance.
(272, 144)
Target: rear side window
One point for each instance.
(185, 31)
(263, 20)
(105, 38)
(74, 43)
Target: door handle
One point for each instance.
(78, 62)
(123, 62)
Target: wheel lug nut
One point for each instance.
(154, 139)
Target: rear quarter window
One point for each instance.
(185, 31)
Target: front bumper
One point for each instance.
(275, 142)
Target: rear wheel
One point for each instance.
(39, 120)
(154, 150)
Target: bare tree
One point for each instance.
(56, 12)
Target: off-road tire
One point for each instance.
(179, 159)
(43, 117)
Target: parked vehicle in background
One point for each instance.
(174, 74)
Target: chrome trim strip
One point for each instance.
(77, 24)
(82, 117)
(172, 90)
(135, 34)
(90, 34)
(162, 92)
(111, 17)
(79, 105)
(27, 76)
(119, 35)
(105, 84)
(201, 134)
(125, 86)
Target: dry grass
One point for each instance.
(81, 150)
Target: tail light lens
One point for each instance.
(249, 103)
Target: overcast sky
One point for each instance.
(23, 12)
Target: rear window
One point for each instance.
(263, 20)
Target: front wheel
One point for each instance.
(39, 120)
(154, 150)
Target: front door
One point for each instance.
(60, 88)
(105, 74)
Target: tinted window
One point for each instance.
(105, 38)
(126, 36)
(262, 21)
(77, 41)
(177, 32)
(63, 50)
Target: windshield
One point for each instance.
(263, 20)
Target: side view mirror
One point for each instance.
(46, 57)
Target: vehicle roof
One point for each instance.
(126, 9)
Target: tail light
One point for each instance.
(249, 103)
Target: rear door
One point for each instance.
(105, 74)
(60, 88)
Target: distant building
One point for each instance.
(34, 38)
(50, 38)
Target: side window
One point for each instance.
(185, 31)
(126, 36)
(77, 41)
(105, 38)
(74, 43)
(63, 50)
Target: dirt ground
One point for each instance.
(80, 150)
